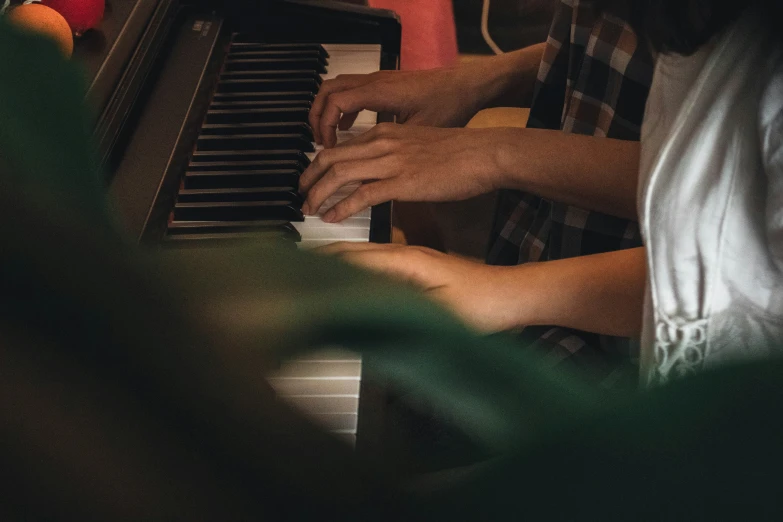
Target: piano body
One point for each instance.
(202, 129)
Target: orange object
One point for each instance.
(429, 34)
(46, 21)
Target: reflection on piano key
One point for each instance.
(325, 385)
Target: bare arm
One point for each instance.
(511, 77)
(590, 172)
(601, 293)
(446, 97)
(426, 164)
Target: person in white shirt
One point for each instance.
(710, 195)
(710, 191)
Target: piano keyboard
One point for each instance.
(242, 179)
(204, 133)
(241, 182)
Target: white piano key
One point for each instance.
(339, 233)
(285, 386)
(308, 244)
(354, 59)
(335, 234)
(317, 222)
(334, 353)
(325, 384)
(332, 201)
(344, 421)
(325, 403)
(348, 436)
(321, 368)
(337, 421)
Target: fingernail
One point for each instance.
(306, 209)
(329, 216)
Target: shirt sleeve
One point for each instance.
(771, 136)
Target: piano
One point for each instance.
(201, 124)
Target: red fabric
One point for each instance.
(429, 36)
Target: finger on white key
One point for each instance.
(307, 244)
(365, 118)
(315, 222)
(339, 233)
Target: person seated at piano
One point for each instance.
(569, 180)
(709, 199)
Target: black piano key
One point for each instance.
(255, 142)
(289, 194)
(210, 179)
(231, 129)
(244, 74)
(210, 227)
(266, 104)
(239, 164)
(251, 155)
(198, 232)
(244, 115)
(266, 86)
(271, 52)
(253, 61)
(237, 211)
(272, 236)
(281, 55)
(277, 96)
(250, 42)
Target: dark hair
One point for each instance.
(683, 26)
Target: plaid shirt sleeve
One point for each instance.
(593, 80)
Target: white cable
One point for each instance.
(485, 29)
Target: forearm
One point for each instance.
(590, 172)
(601, 293)
(506, 80)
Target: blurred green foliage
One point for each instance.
(131, 388)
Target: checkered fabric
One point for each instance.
(593, 79)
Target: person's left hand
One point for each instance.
(481, 295)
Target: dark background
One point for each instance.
(513, 24)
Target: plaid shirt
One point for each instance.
(593, 80)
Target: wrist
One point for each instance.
(481, 158)
(507, 296)
(525, 293)
(506, 158)
(485, 80)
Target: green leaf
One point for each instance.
(45, 132)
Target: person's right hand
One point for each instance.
(396, 162)
(437, 98)
(488, 298)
